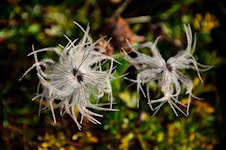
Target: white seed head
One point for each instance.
(166, 73)
(78, 75)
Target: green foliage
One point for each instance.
(43, 24)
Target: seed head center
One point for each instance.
(77, 74)
(169, 67)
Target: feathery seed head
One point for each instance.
(71, 81)
(167, 73)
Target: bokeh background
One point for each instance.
(43, 23)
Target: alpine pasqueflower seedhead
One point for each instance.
(74, 78)
(167, 73)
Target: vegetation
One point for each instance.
(44, 23)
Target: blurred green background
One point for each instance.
(43, 23)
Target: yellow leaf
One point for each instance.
(91, 138)
(129, 99)
(160, 136)
(77, 135)
(192, 137)
(45, 144)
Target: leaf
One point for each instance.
(129, 99)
